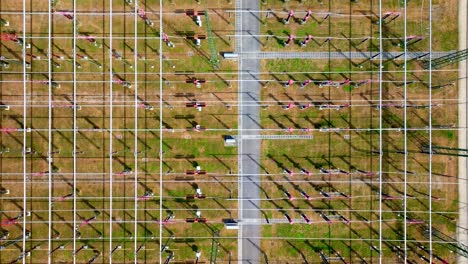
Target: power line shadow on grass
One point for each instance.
(67, 139)
(211, 229)
(145, 187)
(277, 79)
(20, 142)
(296, 125)
(90, 225)
(281, 188)
(152, 49)
(220, 121)
(356, 253)
(275, 204)
(214, 10)
(124, 165)
(324, 96)
(166, 125)
(69, 57)
(64, 221)
(314, 248)
(191, 44)
(280, 125)
(186, 118)
(147, 231)
(278, 102)
(140, 140)
(16, 55)
(423, 120)
(290, 98)
(278, 40)
(221, 38)
(86, 201)
(123, 227)
(328, 162)
(317, 165)
(89, 140)
(227, 83)
(396, 209)
(223, 185)
(345, 159)
(421, 193)
(314, 125)
(94, 125)
(304, 258)
(148, 214)
(294, 163)
(82, 50)
(222, 206)
(169, 168)
(64, 179)
(328, 248)
(278, 19)
(221, 161)
(40, 50)
(278, 164)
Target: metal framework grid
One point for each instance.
(55, 243)
(109, 222)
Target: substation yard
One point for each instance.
(348, 112)
(119, 111)
(108, 137)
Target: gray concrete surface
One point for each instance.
(249, 118)
(462, 229)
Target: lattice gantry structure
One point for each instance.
(232, 131)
